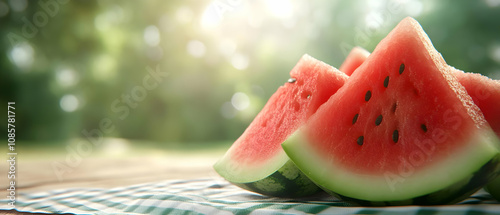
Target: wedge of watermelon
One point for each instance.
(256, 160)
(402, 130)
(485, 92)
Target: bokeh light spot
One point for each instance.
(495, 52)
(492, 3)
(196, 48)
(22, 55)
(18, 5)
(240, 101)
(414, 8)
(69, 103)
(66, 77)
(152, 35)
(239, 61)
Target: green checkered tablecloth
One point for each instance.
(214, 196)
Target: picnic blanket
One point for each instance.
(215, 196)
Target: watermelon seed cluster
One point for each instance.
(378, 120)
(395, 133)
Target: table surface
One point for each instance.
(40, 173)
(36, 169)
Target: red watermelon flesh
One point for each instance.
(257, 152)
(401, 127)
(355, 58)
(485, 92)
(411, 103)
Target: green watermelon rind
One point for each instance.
(279, 178)
(288, 181)
(493, 188)
(471, 169)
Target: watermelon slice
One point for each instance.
(402, 130)
(256, 160)
(484, 91)
(355, 58)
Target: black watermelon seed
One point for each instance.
(355, 118)
(395, 136)
(292, 80)
(378, 120)
(360, 140)
(424, 127)
(386, 81)
(401, 68)
(368, 95)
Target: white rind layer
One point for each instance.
(241, 172)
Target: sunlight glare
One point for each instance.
(210, 19)
(280, 8)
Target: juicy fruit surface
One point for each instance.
(383, 111)
(401, 119)
(485, 93)
(310, 86)
(257, 153)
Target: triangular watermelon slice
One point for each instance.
(402, 130)
(256, 160)
(485, 92)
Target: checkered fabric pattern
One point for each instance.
(215, 196)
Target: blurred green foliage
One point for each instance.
(71, 66)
